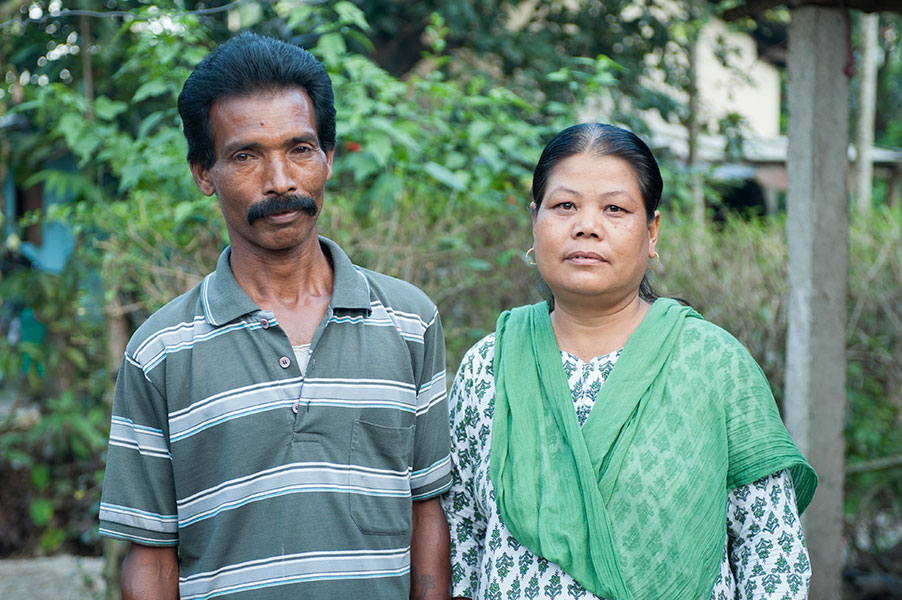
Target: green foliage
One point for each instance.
(431, 184)
(58, 426)
(427, 172)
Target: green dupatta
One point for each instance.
(633, 505)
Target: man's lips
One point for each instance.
(282, 217)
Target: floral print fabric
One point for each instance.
(764, 554)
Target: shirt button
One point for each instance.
(284, 362)
(294, 408)
(264, 323)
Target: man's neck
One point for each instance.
(285, 279)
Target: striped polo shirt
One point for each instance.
(273, 483)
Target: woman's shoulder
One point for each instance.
(708, 348)
(473, 391)
(710, 335)
(479, 357)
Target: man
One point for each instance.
(281, 430)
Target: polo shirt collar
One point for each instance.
(224, 300)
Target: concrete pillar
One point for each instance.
(771, 202)
(893, 193)
(867, 104)
(818, 233)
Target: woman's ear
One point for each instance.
(653, 226)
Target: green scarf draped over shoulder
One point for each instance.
(633, 505)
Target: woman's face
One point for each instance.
(592, 237)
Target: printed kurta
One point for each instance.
(764, 555)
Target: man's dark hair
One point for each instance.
(246, 64)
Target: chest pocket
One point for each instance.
(379, 478)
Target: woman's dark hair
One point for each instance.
(599, 139)
(246, 64)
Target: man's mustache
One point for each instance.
(280, 204)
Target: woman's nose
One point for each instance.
(588, 223)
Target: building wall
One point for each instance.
(749, 87)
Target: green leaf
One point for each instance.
(130, 175)
(183, 210)
(380, 148)
(76, 357)
(107, 109)
(477, 264)
(331, 46)
(40, 477)
(444, 175)
(361, 164)
(150, 89)
(479, 129)
(385, 191)
(41, 511)
(149, 122)
(298, 13)
(351, 15)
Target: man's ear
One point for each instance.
(202, 178)
(329, 155)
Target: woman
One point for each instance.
(681, 482)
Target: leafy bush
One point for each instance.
(431, 184)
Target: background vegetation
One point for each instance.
(441, 116)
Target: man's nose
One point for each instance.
(278, 178)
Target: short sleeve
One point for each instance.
(758, 441)
(138, 500)
(466, 523)
(431, 470)
(767, 548)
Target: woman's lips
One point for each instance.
(581, 257)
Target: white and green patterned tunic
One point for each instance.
(764, 555)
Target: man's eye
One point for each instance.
(302, 150)
(242, 156)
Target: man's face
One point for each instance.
(270, 170)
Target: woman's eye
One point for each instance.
(566, 205)
(614, 208)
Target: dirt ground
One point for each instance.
(54, 578)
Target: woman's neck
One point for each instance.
(589, 331)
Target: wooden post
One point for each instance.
(818, 233)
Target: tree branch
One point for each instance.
(132, 15)
(878, 464)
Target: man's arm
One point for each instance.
(151, 573)
(430, 553)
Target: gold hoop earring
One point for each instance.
(531, 261)
(656, 260)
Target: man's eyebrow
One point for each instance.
(302, 139)
(239, 145)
